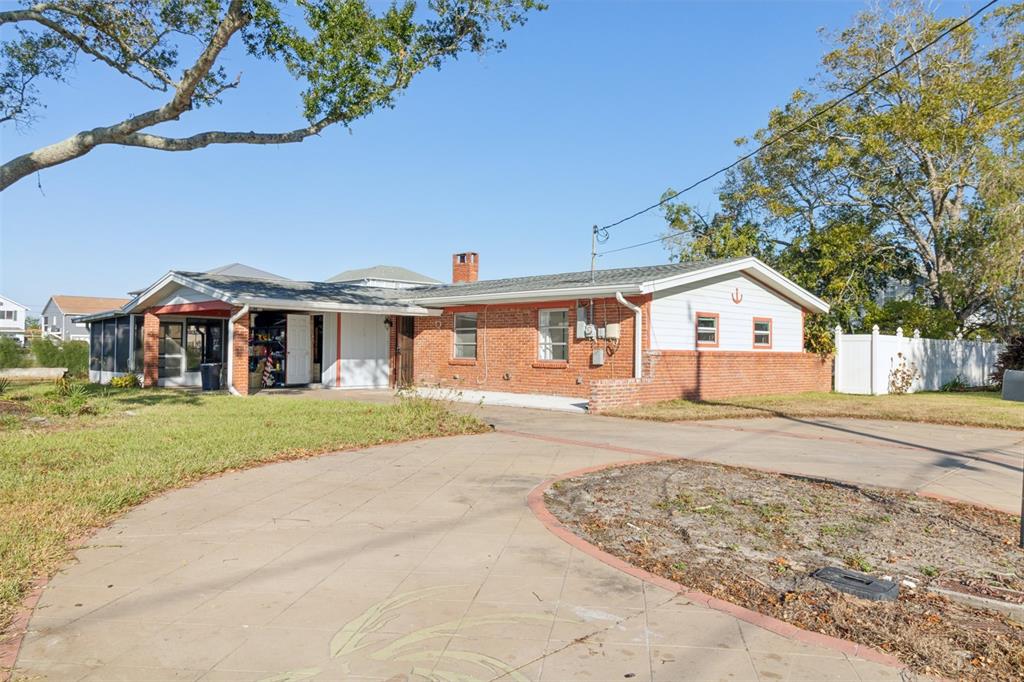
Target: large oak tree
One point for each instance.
(926, 166)
(350, 59)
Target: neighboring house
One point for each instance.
(12, 319)
(60, 315)
(616, 337)
(384, 276)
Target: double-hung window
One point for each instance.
(554, 334)
(707, 329)
(762, 332)
(465, 336)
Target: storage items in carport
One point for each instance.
(267, 347)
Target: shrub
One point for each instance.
(12, 354)
(126, 381)
(1012, 357)
(955, 385)
(901, 377)
(74, 355)
(5, 383)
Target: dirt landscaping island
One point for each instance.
(754, 538)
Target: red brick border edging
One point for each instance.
(15, 632)
(535, 500)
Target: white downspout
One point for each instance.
(638, 334)
(231, 348)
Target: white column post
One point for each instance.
(836, 364)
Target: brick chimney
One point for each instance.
(465, 267)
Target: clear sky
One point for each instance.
(591, 113)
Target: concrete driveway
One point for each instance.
(422, 561)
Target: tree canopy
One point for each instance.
(350, 59)
(919, 177)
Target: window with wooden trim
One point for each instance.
(762, 332)
(707, 329)
(465, 336)
(553, 325)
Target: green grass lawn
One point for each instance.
(983, 408)
(69, 464)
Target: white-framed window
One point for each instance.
(763, 332)
(465, 336)
(553, 325)
(707, 329)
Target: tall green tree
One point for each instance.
(349, 58)
(930, 157)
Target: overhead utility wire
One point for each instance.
(674, 235)
(790, 131)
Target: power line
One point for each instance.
(798, 127)
(673, 235)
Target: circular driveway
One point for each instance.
(413, 561)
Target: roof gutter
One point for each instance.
(244, 310)
(638, 334)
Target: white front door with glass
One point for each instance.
(298, 335)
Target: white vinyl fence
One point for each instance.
(865, 363)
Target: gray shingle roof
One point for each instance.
(245, 288)
(565, 280)
(385, 272)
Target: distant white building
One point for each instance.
(12, 319)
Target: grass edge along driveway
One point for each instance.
(60, 481)
(974, 408)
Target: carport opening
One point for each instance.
(285, 349)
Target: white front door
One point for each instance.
(297, 339)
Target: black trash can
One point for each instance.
(210, 372)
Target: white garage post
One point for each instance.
(837, 367)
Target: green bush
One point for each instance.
(74, 355)
(11, 354)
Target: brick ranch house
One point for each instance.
(615, 337)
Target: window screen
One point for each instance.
(465, 335)
(707, 329)
(762, 331)
(554, 334)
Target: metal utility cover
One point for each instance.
(858, 584)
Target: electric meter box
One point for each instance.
(597, 357)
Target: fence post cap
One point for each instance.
(838, 329)
(917, 333)
(874, 329)
(899, 331)
(959, 336)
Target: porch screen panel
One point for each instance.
(109, 332)
(138, 324)
(123, 335)
(95, 346)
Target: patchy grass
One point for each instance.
(754, 538)
(977, 408)
(71, 464)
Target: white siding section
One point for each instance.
(330, 357)
(183, 295)
(673, 316)
(364, 351)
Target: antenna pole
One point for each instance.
(593, 252)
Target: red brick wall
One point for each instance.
(240, 361)
(714, 375)
(507, 344)
(150, 349)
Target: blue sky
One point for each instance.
(592, 112)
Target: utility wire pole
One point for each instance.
(593, 252)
